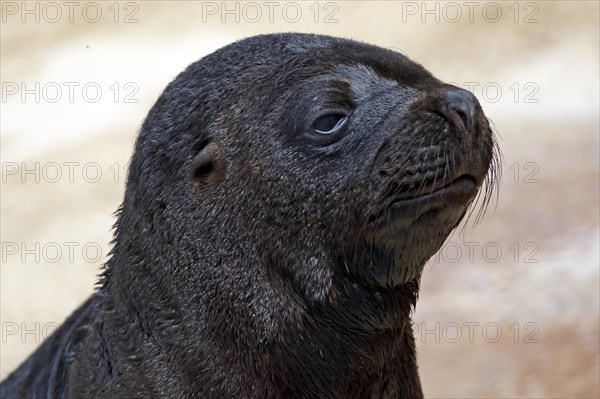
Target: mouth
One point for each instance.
(445, 197)
(462, 182)
(414, 226)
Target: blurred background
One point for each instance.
(508, 308)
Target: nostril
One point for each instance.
(465, 104)
(464, 117)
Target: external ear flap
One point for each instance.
(208, 165)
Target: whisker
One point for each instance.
(490, 191)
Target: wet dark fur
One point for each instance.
(255, 258)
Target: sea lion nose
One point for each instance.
(465, 104)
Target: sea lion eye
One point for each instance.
(329, 123)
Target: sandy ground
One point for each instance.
(509, 308)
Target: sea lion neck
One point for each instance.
(294, 343)
(371, 365)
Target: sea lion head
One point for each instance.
(297, 174)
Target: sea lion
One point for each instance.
(284, 194)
